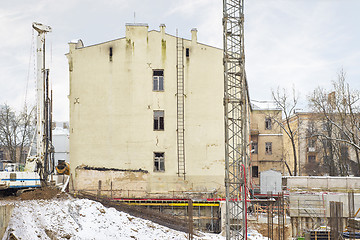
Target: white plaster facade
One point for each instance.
(112, 105)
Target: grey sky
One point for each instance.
(301, 43)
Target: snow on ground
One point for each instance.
(85, 219)
(254, 235)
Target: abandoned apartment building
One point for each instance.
(146, 115)
(266, 140)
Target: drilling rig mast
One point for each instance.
(39, 166)
(236, 111)
(42, 161)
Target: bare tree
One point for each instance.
(288, 105)
(15, 131)
(339, 109)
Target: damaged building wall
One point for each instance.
(114, 182)
(113, 104)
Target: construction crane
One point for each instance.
(236, 113)
(39, 166)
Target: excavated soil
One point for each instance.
(42, 193)
(263, 229)
(34, 194)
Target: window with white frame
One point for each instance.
(158, 80)
(268, 147)
(158, 120)
(159, 162)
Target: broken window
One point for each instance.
(254, 147)
(158, 80)
(158, 120)
(159, 162)
(187, 52)
(268, 148)
(267, 123)
(255, 171)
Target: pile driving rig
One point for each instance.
(38, 167)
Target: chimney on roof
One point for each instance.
(135, 31)
(162, 30)
(75, 44)
(194, 35)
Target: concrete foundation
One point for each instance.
(332, 184)
(140, 184)
(310, 197)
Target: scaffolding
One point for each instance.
(236, 107)
(180, 106)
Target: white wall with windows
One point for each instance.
(123, 108)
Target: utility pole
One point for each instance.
(236, 113)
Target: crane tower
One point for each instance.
(236, 111)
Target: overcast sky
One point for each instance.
(300, 43)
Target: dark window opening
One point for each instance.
(158, 120)
(110, 53)
(158, 80)
(159, 162)
(268, 123)
(255, 171)
(311, 159)
(187, 52)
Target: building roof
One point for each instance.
(264, 105)
(81, 44)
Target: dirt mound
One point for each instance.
(42, 193)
